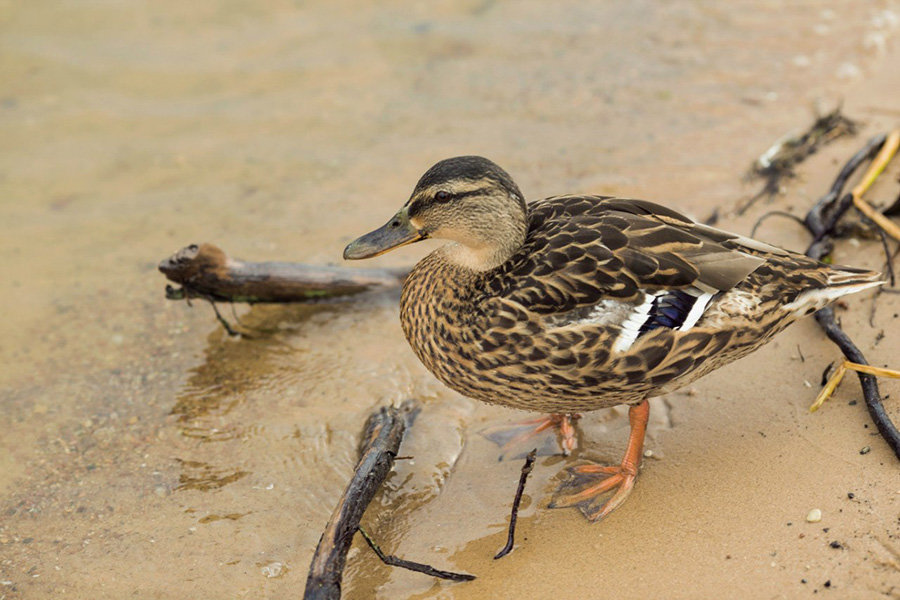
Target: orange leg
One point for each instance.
(511, 436)
(588, 483)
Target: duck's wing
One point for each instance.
(584, 251)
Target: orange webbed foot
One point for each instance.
(587, 485)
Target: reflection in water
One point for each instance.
(234, 368)
(229, 517)
(196, 475)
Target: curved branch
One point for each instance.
(820, 221)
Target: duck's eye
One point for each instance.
(442, 196)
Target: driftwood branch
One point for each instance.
(378, 447)
(205, 271)
(821, 221)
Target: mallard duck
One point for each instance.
(578, 303)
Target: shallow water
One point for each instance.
(145, 452)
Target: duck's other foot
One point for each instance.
(588, 485)
(515, 436)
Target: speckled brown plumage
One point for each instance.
(501, 335)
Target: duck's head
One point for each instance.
(468, 200)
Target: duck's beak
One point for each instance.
(393, 234)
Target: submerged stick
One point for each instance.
(821, 221)
(378, 447)
(514, 514)
(205, 271)
(393, 561)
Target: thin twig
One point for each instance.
(774, 213)
(514, 515)
(889, 263)
(222, 319)
(393, 561)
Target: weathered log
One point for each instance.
(205, 271)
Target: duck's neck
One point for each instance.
(485, 248)
(476, 259)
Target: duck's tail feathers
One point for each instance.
(840, 281)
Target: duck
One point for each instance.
(577, 303)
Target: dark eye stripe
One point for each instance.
(417, 205)
(451, 196)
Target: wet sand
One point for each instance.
(146, 454)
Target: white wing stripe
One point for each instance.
(696, 311)
(631, 326)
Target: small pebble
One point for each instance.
(648, 453)
(851, 495)
(836, 545)
(814, 516)
(272, 570)
(865, 450)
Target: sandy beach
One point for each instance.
(147, 454)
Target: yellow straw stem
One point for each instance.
(838, 375)
(829, 388)
(887, 152)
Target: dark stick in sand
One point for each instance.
(821, 221)
(514, 514)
